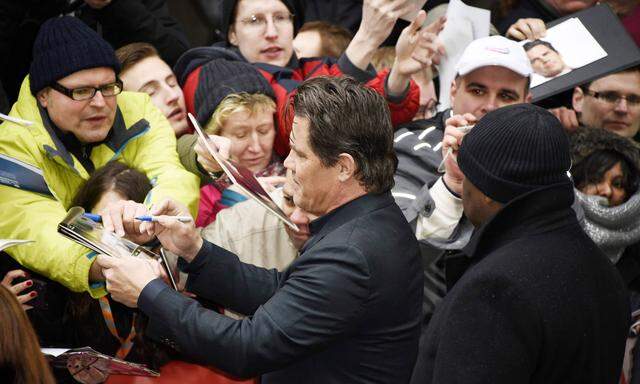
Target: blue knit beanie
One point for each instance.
(66, 45)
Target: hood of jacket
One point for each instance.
(586, 141)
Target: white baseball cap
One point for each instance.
(494, 50)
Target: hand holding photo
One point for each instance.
(85, 230)
(566, 46)
(243, 178)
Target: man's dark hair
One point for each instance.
(592, 169)
(535, 43)
(347, 117)
(117, 177)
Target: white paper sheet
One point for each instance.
(55, 352)
(464, 24)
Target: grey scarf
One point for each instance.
(611, 228)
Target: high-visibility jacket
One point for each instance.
(39, 178)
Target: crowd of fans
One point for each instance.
(98, 94)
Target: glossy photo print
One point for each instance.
(567, 46)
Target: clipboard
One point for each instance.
(608, 31)
(243, 178)
(79, 228)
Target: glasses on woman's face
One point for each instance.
(86, 93)
(613, 98)
(259, 21)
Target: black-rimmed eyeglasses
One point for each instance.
(612, 97)
(86, 93)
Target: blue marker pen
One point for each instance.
(93, 217)
(182, 219)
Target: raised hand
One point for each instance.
(417, 48)
(378, 19)
(451, 141)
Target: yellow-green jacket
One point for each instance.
(39, 178)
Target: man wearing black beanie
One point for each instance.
(71, 118)
(540, 303)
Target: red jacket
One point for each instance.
(284, 80)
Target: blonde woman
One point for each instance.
(246, 120)
(235, 105)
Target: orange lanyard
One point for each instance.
(125, 343)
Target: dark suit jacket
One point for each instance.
(347, 310)
(539, 304)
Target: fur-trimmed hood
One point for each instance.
(585, 141)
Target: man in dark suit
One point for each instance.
(348, 309)
(539, 303)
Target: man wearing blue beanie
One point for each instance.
(539, 303)
(71, 118)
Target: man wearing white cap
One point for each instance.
(492, 72)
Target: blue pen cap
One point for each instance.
(93, 217)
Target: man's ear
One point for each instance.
(43, 98)
(231, 36)
(577, 99)
(452, 92)
(527, 99)
(346, 167)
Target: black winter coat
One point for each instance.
(539, 304)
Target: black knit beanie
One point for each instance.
(514, 150)
(229, 7)
(220, 78)
(65, 45)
